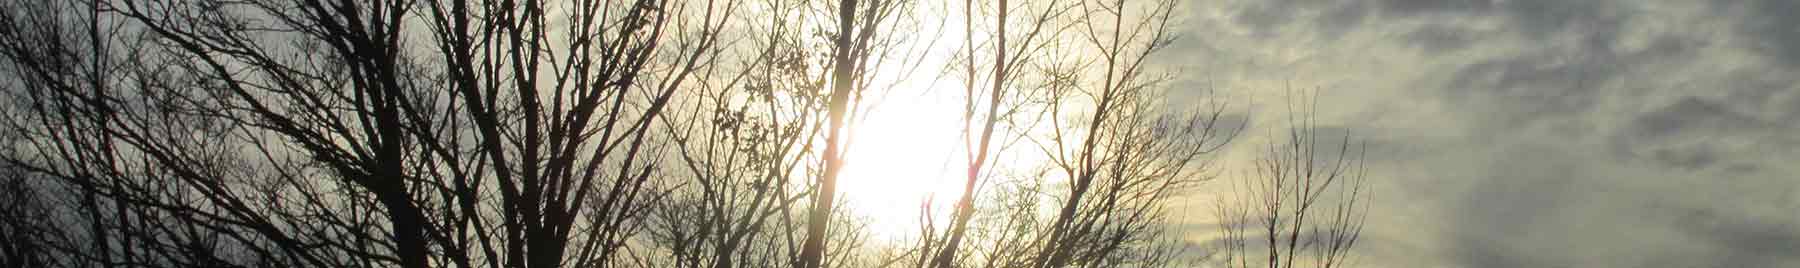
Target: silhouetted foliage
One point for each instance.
(589, 133)
(355, 133)
(1117, 154)
(1306, 194)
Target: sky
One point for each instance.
(1509, 133)
(1536, 133)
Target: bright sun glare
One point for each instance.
(909, 147)
(906, 151)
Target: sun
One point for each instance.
(906, 150)
(905, 153)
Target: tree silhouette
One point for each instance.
(353, 133)
(1306, 194)
(983, 109)
(588, 133)
(1117, 155)
(27, 233)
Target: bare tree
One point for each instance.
(864, 38)
(27, 229)
(745, 138)
(990, 103)
(354, 133)
(588, 133)
(1117, 154)
(1125, 156)
(842, 81)
(1305, 195)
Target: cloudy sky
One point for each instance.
(1540, 133)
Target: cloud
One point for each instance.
(1437, 39)
(1768, 27)
(1746, 241)
(1416, 7)
(1691, 134)
(1545, 133)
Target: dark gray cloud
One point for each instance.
(1329, 17)
(1437, 39)
(1747, 241)
(1690, 113)
(1598, 21)
(1505, 205)
(1688, 119)
(1533, 18)
(1768, 27)
(1416, 7)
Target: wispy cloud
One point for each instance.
(1544, 133)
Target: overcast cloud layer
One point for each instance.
(1540, 133)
